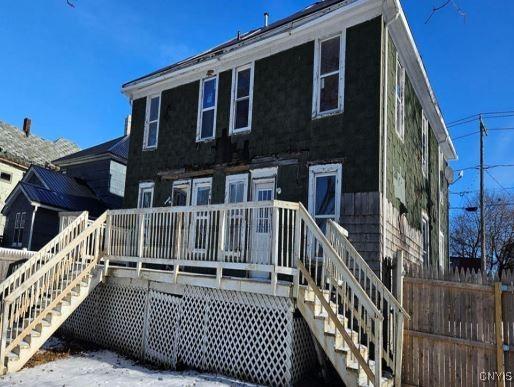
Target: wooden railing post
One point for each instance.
(274, 247)
(108, 251)
(398, 352)
(222, 234)
(296, 251)
(378, 350)
(141, 243)
(498, 324)
(3, 341)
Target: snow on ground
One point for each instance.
(102, 368)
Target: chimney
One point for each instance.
(128, 124)
(266, 19)
(26, 126)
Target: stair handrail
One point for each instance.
(327, 277)
(32, 264)
(19, 308)
(392, 310)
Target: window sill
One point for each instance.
(330, 113)
(150, 149)
(240, 131)
(200, 140)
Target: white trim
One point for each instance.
(182, 183)
(145, 187)
(424, 144)
(201, 109)
(442, 249)
(233, 99)
(32, 172)
(326, 170)
(425, 226)
(149, 99)
(260, 173)
(231, 179)
(316, 113)
(201, 183)
(399, 122)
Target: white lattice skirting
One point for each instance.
(245, 335)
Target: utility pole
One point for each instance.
(483, 131)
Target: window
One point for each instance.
(325, 193)
(145, 199)
(329, 75)
(242, 98)
(152, 122)
(424, 144)
(180, 193)
(207, 109)
(202, 191)
(442, 192)
(400, 98)
(201, 219)
(19, 226)
(4, 176)
(425, 237)
(442, 250)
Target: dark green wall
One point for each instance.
(421, 193)
(282, 125)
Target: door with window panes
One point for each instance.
(263, 190)
(201, 239)
(324, 197)
(235, 223)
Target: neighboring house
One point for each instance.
(90, 180)
(331, 107)
(18, 150)
(32, 209)
(103, 167)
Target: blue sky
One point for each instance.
(64, 66)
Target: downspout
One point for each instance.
(385, 117)
(29, 247)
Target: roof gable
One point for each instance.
(117, 148)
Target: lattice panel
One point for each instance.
(304, 357)
(82, 323)
(120, 318)
(162, 328)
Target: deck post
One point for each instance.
(399, 319)
(3, 342)
(296, 251)
(221, 235)
(141, 243)
(108, 227)
(274, 247)
(498, 324)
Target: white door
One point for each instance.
(200, 239)
(263, 190)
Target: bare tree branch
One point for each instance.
(68, 2)
(443, 5)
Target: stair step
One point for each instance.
(24, 345)
(11, 356)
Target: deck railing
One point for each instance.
(393, 312)
(256, 237)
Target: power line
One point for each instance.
(497, 182)
(474, 117)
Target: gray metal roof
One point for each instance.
(56, 181)
(116, 147)
(17, 147)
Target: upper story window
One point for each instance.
(329, 75)
(325, 193)
(425, 237)
(424, 144)
(145, 199)
(242, 98)
(207, 109)
(442, 192)
(4, 176)
(400, 98)
(151, 134)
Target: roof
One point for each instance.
(117, 147)
(59, 182)
(26, 150)
(62, 200)
(242, 37)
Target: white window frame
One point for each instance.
(6, 180)
(231, 179)
(424, 144)
(441, 175)
(399, 99)
(425, 227)
(19, 224)
(145, 187)
(316, 113)
(442, 250)
(200, 183)
(234, 100)
(316, 171)
(182, 184)
(148, 122)
(201, 110)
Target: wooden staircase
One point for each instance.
(356, 321)
(39, 296)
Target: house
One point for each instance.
(91, 180)
(18, 150)
(330, 107)
(32, 210)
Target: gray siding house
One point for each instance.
(331, 107)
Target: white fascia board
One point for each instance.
(325, 22)
(411, 59)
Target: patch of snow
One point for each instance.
(102, 368)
